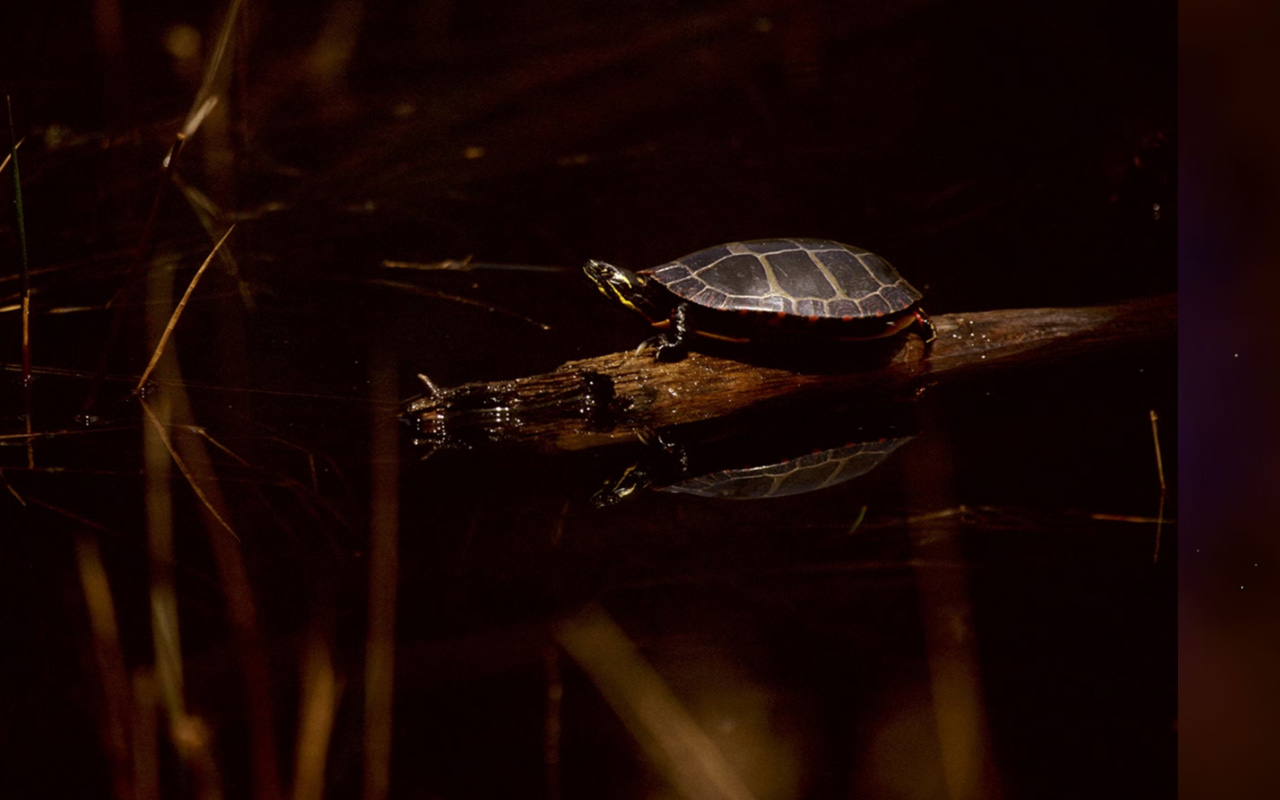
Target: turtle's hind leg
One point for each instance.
(927, 331)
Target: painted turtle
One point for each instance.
(738, 291)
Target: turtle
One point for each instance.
(747, 291)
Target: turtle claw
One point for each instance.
(670, 352)
(665, 349)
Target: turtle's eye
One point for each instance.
(607, 275)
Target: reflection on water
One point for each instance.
(806, 473)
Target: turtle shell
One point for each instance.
(804, 277)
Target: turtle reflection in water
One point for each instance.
(807, 473)
(769, 288)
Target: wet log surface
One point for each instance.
(613, 398)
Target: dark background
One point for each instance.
(1230, 138)
(1002, 155)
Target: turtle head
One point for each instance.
(633, 290)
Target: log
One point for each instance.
(616, 397)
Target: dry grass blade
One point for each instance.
(1131, 518)
(204, 434)
(58, 434)
(331, 55)
(213, 71)
(383, 574)
(164, 605)
(144, 241)
(116, 691)
(1155, 438)
(210, 214)
(23, 264)
(177, 312)
(9, 486)
(188, 734)
(55, 310)
(675, 743)
(194, 461)
(320, 692)
(146, 740)
(969, 767)
(453, 298)
(10, 155)
(552, 730)
(186, 473)
(204, 103)
(466, 264)
(195, 118)
(447, 264)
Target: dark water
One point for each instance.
(984, 613)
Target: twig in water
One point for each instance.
(177, 312)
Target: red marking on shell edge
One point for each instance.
(813, 319)
(879, 313)
(779, 314)
(847, 317)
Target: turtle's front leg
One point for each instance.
(674, 344)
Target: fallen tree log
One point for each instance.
(613, 398)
